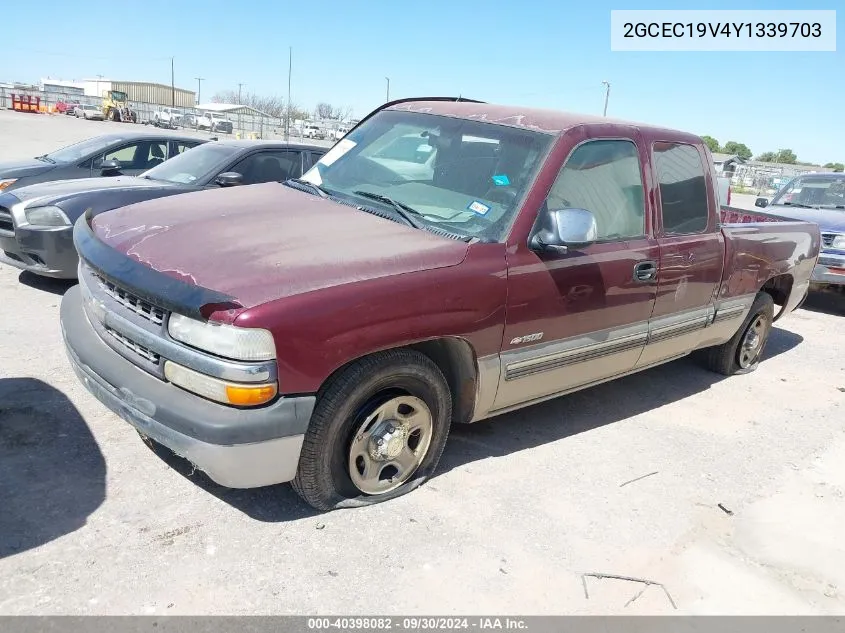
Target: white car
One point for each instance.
(339, 133)
(167, 117)
(313, 131)
(214, 122)
(88, 111)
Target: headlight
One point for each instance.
(46, 216)
(839, 241)
(6, 182)
(228, 341)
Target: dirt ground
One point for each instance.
(728, 492)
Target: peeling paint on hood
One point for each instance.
(259, 243)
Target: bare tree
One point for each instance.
(324, 111)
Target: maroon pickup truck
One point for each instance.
(445, 262)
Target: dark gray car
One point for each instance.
(107, 155)
(36, 222)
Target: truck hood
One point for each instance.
(22, 168)
(827, 219)
(259, 243)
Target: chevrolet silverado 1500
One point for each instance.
(328, 331)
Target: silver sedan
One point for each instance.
(87, 111)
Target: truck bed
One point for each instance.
(760, 247)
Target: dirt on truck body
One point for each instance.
(445, 262)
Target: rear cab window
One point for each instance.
(683, 188)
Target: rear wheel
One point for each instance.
(377, 432)
(742, 353)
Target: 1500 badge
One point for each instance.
(528, 338)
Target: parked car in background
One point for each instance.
(338, 133)
(167, 117)
(215, 122)
(36, 222)
(89, 112)
(818, 198)
(313, 131)
(133, 152)
(329, 332)
(188, 120)
(66, 107)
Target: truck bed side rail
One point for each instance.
(735, 215)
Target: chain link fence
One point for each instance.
(762, 178)
(245, 124)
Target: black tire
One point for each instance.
(323, 478)
(726, 358)
(114, 115)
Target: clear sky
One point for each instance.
(543, 53)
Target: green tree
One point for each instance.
(711, 142)
(740, 149)
(835, 166)
(786, 156)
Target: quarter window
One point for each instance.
(604, 178)
(683, 192)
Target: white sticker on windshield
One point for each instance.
(478, 207)
(340, 148)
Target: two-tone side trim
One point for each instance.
(581, 354)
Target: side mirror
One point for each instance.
(761, 202)
(229, 179)
(107, 167)
(558, 230)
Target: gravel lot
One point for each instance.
(93, 522)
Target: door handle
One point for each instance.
(645, 271)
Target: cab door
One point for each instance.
(581, 317)
(691, 252)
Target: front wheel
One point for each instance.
(742, 353)
(377, 432)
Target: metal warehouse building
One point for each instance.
(143, 92)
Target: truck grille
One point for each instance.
(135, 304)
(6, 221)
(135, 347)
(827, 239)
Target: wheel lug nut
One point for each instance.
(379, 442)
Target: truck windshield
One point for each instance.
(814, 191)
(193, 166)
(463, 176)
(82, 149)
(118, 96)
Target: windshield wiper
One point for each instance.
(402, 210)
(45, 159)
(799, 204)
(317, 190)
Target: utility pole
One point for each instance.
(606, 95)
(388, 88)
(172, 85)
(99, 77)
(287, 118)
(199, 88)
(240, 126)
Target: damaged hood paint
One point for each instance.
(263, 242)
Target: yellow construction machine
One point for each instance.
(116, 107)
